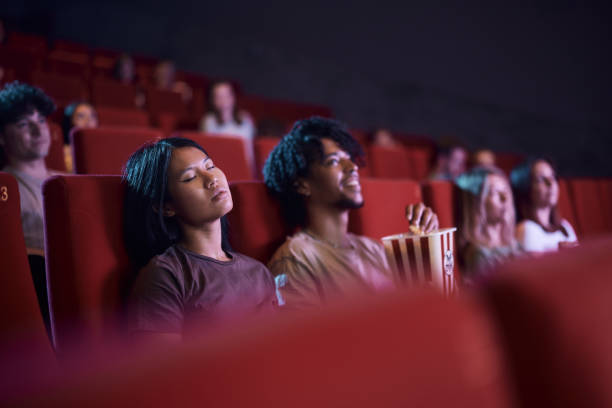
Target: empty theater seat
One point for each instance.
(384, 210)
(555, 316)
(565, 206)
(105, 150)
(108, 92)
(442, 196)
(86, 258)
(389, 162)
(395, 351)
(262, 148)
(111, 116)
(256, 225)
(61, 88)
(228, 153)
(588, 199)
(23, 337)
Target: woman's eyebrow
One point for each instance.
(191, 167)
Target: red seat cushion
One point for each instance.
(256, 225)
(385, 207)
(105, 150)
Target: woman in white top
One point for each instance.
(223, 116)
(536, 189)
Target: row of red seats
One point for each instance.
(537, 335)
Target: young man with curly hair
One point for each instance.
(313, 173)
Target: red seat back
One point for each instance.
(285, 112)
(385, 162)
(228, 153)
(262, 148)
(107, 92)
(22, 331)
(257, 228)
(442, 197)
(555, 314)
(396, 351)
(36, 44)
(385, 207)
(159, 100)
(86, 258)
(105, 150)
(565, 206)
(62, 89)
(112, 116)
(56, 159)
(589, 205)
(69, 63)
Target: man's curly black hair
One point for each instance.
(18, 99)
(292, 157)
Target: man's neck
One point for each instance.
(35, 168)
(328, 224)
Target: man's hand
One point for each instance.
(422, 217)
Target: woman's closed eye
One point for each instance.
(188, 178)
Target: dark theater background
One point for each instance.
(525, 77)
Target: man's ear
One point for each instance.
(302, 187)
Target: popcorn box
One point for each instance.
(425, 259)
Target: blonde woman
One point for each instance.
(486, 234)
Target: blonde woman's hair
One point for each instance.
(475, 186)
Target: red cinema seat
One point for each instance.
(20, 61)
(555, 317)
(419, 157)
(69, 63)
(105, 150)
(286, 112)
(396, 351)
(228, 153)
(36, 44)
(23, 337)
(263, 147)
(159, 100)
(605, 187)
(385, 162)
(588, 203)
(384, 211)
(507, 161)
(107, 92)
(256, 225)
(86, 258)
(56, 159)
(62, 89)
(111, 116)
(565, 206)
(71, 46)
(442, 196)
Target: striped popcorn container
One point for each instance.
(426, 259)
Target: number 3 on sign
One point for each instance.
(3, 193)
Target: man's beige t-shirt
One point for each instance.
(309, 272)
